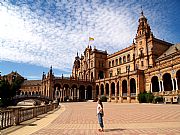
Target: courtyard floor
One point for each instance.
(119, 119)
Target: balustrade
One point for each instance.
(14, 116)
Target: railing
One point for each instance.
(133, 94)
(15, 116)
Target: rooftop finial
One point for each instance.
(141, 11)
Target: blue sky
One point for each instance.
(35, 34)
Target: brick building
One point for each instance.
(148, 64)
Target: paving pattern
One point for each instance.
(119, 119)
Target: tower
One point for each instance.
(143, 36)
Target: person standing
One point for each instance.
(100, 115)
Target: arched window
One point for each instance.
(124, 59)
(113, 63)
(116, 62)
(128, 57)
(109, 64)
(120, 60)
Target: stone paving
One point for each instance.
(119, 119)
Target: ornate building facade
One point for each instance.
(148, 64)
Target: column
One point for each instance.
(104, 89)
(176, 83)
(120, 93)
(128, 91)
(61, 94)
(172, 84)
(85, 94)
(110, 93)
(77, 93)
(116, 92)
(151, 87)
(72, 94)
(64, 93)
(160, 86)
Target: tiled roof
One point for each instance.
(173, 49)
(32, 82)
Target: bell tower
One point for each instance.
(142, 37)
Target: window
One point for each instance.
(124, 59)
(91, 64)
(120, 60)
(109, 64)
(113, 63)
(110, 74)
(118, 71)
(128, 68)
(128, 57)
(116, 62)
(142, 63)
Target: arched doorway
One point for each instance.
(66, 92)
(118, 88)
(155, 84)
(167, 82)
(178, 79)
(133, 87)
(107, 89)
(113, 89)
(82, 92)
(56, 92)
(124, 88)
(89, 92)
(97, 90)
(102, 89)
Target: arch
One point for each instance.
(92, 76)
(133, 87)
(22, 93)
(120, 60)
(56, 94)
(97, 90)
(124, 88)
(29, 93)
(155, 84)
(107, 89)
(124, 59)
(178, 79)
(112, 63)
(167, 82)
(82, 92)
(36, 92)
(102, 89)
(128, 57)
(113, 88)
(26, 93)
(33, 93)
(89, 92)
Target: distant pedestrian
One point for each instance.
(100, 114)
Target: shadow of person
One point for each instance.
(113, 129)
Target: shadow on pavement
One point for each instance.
(114, 129)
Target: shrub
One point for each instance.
(145, 97)
(103, 98)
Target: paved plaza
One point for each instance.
(119, 119)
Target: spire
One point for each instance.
(141, 11)
(77, 54)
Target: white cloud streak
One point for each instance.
(51, 33)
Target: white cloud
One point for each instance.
(51, 35)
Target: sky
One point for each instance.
(38, 34)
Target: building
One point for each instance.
(148, 64)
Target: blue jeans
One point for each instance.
(100, 120)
